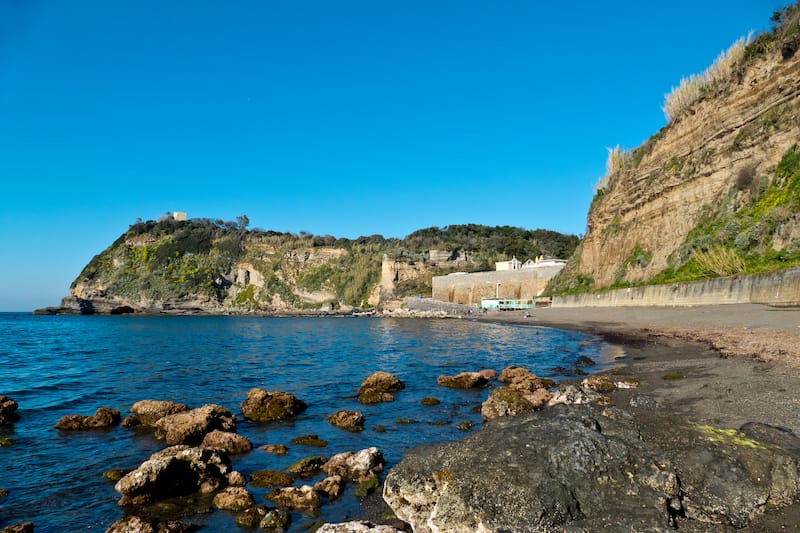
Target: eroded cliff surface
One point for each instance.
(718, 182)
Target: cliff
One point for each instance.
(714, 192)
(209, 266)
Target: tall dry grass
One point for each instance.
(689, 90)
(617, 159)
(718, 261)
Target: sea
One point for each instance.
(58, 365)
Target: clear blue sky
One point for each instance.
(333, 117)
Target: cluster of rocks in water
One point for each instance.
(567, 460)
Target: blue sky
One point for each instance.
(346, 118)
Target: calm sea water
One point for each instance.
(58, 365)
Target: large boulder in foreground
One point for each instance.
(103, 418)
(8, 410)
(190, 427)
(378, 387)
(265, 406)
(589, 468)
(177, 471)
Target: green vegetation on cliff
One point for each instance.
(224, 265)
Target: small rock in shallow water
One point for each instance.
(103, 418)
(148, 412)
(277, 449)
(378, 387)
(8, 410)
(347, 420)
(190, 427)
(232, 443)
(136, 524)
(430, 401)
(331, 486)
(264, 406)
(233, 499)
(466, 425)
(358, 466)
(308, 466)
(22, 527)
(303, 499)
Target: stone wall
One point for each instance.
(468, 289)
(779, 288)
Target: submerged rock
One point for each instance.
(176, 471)
(190, 427)
(347, 420)
(8, 410)
(309, 440)
(378, 387)
(588, 468)
(264, 406)
(103, 418)
(464, 380)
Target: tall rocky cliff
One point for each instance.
(715, 192)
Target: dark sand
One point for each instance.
(740, 363)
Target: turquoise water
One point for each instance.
(58, 365)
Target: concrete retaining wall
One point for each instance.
(468, 289)
(778, 288)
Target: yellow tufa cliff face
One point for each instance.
(711, 161)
